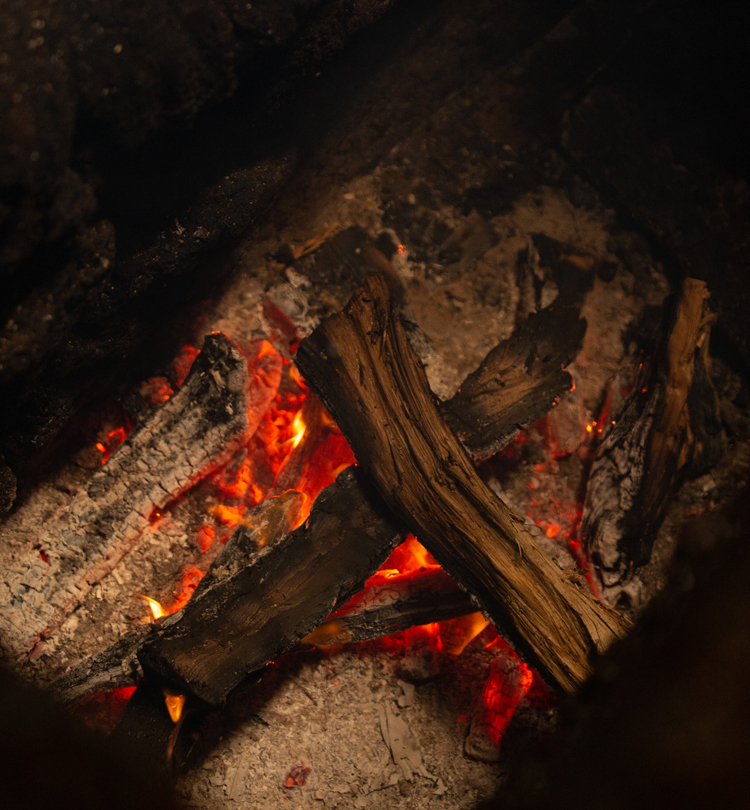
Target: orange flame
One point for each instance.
(175, 703)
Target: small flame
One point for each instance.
(156, 608)
(175, 704)
(298, 426)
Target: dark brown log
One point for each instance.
(518, 381)
(46, 577)
(391, 605)
(669, 429)
(361, 365)
(382, 609)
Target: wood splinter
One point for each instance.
(360, 363)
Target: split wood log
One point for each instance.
(193, 432)
(524, 371)
(383, 608)
(669, 429)
(349, 533)
(517, 382)
(361, 365)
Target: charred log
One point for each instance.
(195, 429)
(361, 365)
(522, 370)
(668, 430)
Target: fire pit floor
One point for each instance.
(312, 734)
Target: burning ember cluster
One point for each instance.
(298, 447)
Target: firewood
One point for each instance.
(525, 371)
(349, 532)
(669, 429)
(393, 604)
(361, 365)
(517, 382)
(197, 428)
(241, 621)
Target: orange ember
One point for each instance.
(114, 439)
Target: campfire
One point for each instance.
(386, 446)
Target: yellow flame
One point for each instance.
(156, 608)
(175, 704)
(458, 633)
(298, 426)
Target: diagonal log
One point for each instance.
(361, 365)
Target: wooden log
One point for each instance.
(525, 371)
(669, 429)
(194, 431)
(517, 382)
(259, 611)
(383, 608)
(361, 365)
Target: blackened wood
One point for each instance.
(361, 365)
(197, 428)
(667, 430)
(266, 608)
(382, 608)
(517, 382)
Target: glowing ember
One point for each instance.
(114, 439)
(156, 609)
(175, 703)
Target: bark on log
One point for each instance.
(361, 365)
(517, 382)
(668, 430)
(196, 428)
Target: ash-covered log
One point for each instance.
(361, 365)
(193, 432)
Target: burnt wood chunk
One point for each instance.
(668, 430)
(392, 604)
(197, 428)
(361, 365)
(274, 599)
(517, 382)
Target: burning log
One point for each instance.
(361, 365)
(516, 367)
(196, 428)
(348, 534)
(255, 607)
(669, 429)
